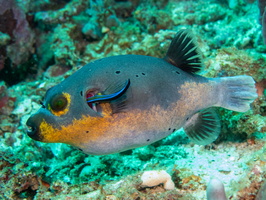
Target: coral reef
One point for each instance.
(43, 42)
(16, 51)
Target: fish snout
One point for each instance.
(33, 124)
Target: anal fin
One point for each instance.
(203, 127)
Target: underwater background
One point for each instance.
(43, 42)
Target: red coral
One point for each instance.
(20, 47)
(6, 102)
(13, 22)
(261, 86)
(7, 21)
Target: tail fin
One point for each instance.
(237, 93)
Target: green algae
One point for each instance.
(4, 39)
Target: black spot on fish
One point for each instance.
(87, 131)
(143, 74)
(174, 130)
(169, 129)
(187, 118)
(177, 72)
(148, 140)
(118, 72)
(43, 106)
(81, 93)
(137, 75)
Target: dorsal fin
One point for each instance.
(183, 52)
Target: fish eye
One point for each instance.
(58, 102)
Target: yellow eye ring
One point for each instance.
(59, 104)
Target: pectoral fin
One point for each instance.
(114, 94)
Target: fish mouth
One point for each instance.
(34, 122)
(33, 130)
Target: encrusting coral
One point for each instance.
(154, 178)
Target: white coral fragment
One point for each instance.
(154, 177)
(215, 190)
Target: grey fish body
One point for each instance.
(160, 99)
(164, 95)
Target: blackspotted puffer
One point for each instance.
(122, 102)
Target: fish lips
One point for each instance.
(34, 122)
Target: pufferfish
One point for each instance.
(123, 102)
